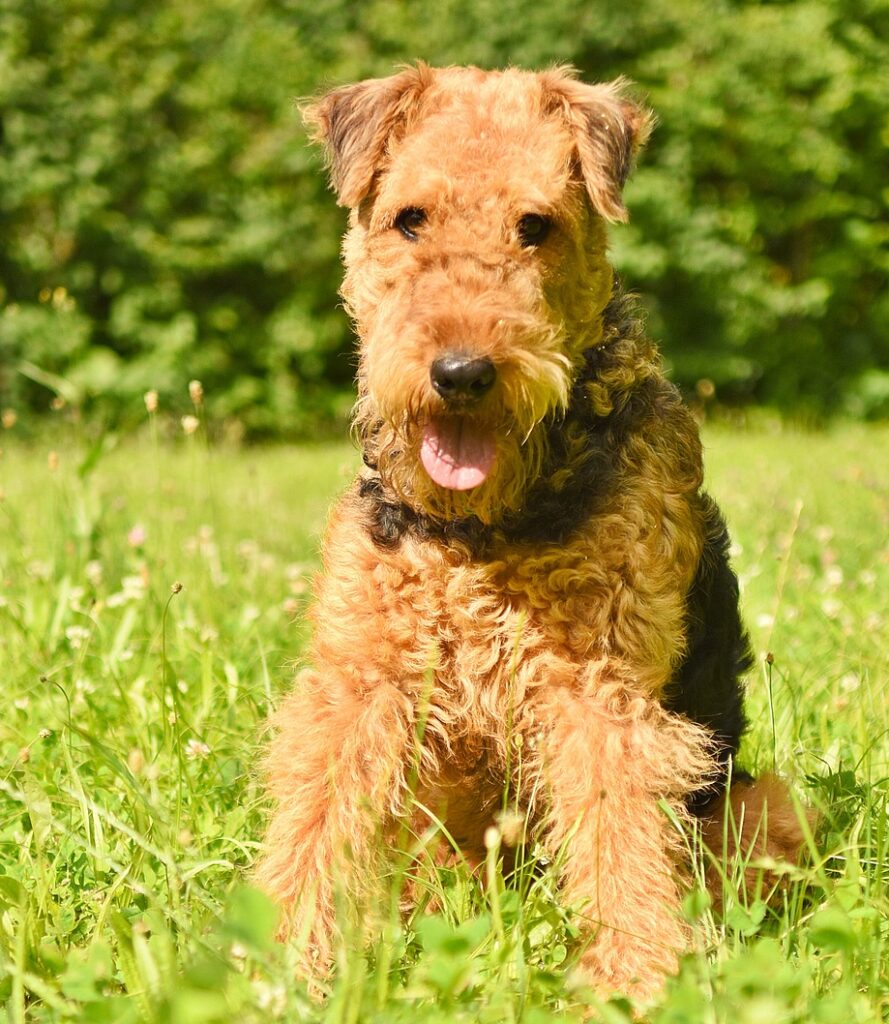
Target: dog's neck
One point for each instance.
(617, 385)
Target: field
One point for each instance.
(152, 599)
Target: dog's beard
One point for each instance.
(452, 466)
(517, 463)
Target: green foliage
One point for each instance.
(162, 218)
(131, 805)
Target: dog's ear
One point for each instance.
(356, 122)
(608, 130)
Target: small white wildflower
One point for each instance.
(867, 578)
(190, 424)
(151, 400)
(136, 535)
(93, 572)
(248, 549)
(196, 749)
(824, 534)
(492, 837)
(8, 418)
(76, 636)
(735, 549)
(21, 703)
(250, 613)
(133, 588)
(831, 607)
(834, 576)
(849, 682)
(765, 620)
(196, 391)
(271, 998)
(182, 686)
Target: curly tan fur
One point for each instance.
(549, 601)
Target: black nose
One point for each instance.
(461, 379)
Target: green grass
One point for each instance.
(131, 808)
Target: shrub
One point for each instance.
(162, 218)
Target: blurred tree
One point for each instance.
(162, 219)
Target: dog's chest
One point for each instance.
(484, 615)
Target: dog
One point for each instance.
(527, 562)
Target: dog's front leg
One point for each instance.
(336, 770)
(606, 762)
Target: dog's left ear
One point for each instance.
(356, 122)
(608, 130)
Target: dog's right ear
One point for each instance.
(355, 123)
(608, 129)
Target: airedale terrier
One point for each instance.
(527, 562)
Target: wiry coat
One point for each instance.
(569, 626)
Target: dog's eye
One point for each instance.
(533, 229)
(409, 221)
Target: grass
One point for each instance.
(130, 806)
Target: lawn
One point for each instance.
(152, 600)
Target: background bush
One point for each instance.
(162, 219)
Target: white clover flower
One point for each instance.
(195, 749)
(136, 535)
(834, 576)
(272, 998)
(76, 636)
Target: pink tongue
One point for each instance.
(456, 454)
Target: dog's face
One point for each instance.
(476, 266)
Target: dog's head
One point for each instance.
(476, 270)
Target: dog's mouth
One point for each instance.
(457, 452)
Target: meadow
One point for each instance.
(152, 609)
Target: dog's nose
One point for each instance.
(458, 378)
